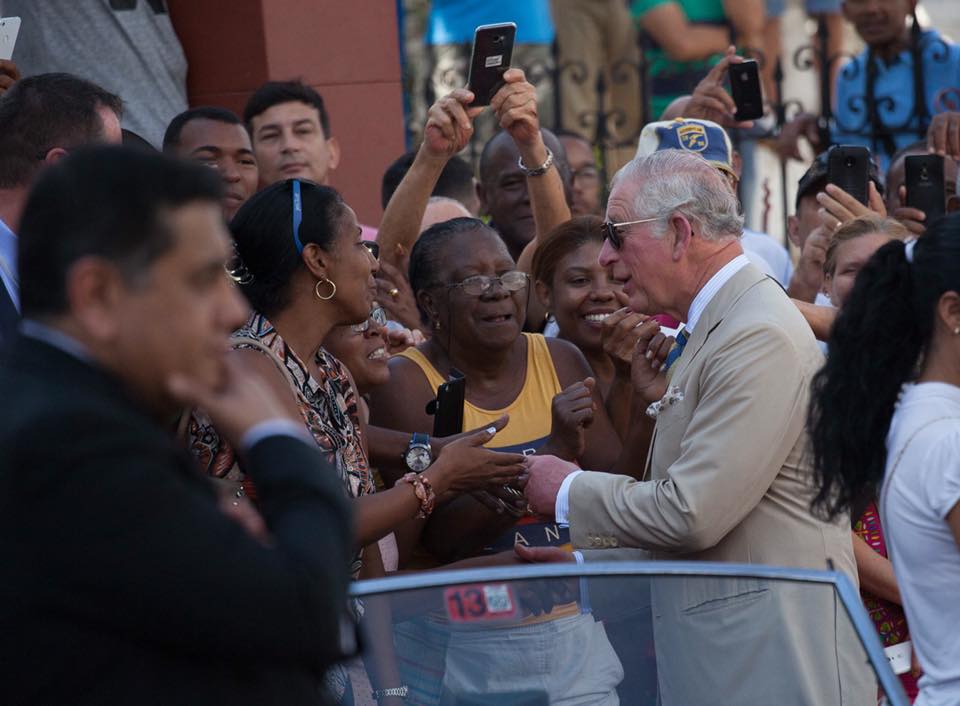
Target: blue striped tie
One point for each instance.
(677, 349)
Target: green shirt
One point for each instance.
(670, 79)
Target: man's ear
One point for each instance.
(482, 195)
(95, 289)
(682, 234)
(543, 294)
(54, 155)
(334, 147)
(793, 230)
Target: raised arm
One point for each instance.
(448, 130)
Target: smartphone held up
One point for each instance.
(489, 60)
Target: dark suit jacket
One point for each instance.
(9, 317)
(120, 580)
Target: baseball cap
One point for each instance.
(702, 137)
(815, 178)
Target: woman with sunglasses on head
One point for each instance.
(885, 423)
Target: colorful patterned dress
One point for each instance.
(329, 406)
(889, 618)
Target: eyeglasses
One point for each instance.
(476, 286)
(297, 216)
(373, 247)
(611, 231)
(377, 316)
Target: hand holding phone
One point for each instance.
(448, 411)
(848, 166)
(490, 58)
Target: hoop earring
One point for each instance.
(333, 291)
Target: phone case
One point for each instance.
(848, 167)
(448, 416)
(9, 29)
(490, 59)
(926, 190)
(746, 91)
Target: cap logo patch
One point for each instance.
(693, 137)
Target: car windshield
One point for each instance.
(642, 633)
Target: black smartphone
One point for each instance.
(448, 413)
(926, 190)
(745, 90)
(490, 59)
(848, 167)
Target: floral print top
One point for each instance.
(329, 406)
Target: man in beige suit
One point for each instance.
(726, 478)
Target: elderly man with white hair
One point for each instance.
(727, 476)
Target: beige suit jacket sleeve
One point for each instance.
(750, 413)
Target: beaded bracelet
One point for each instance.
(424, 492)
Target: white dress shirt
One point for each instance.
(697, 307)
(8, 263)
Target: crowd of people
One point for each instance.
(221, 387)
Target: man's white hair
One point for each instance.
(674, 181)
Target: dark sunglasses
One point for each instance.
(613, 231)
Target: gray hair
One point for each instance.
(674, 181)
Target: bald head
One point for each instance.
(442, 208)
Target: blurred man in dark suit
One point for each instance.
(123, 580)
(41, 119)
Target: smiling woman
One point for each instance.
(474, 300)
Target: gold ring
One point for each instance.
(394, 292)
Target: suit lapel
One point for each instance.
(718, 307)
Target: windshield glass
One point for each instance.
(611, 639)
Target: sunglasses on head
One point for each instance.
(614, 231)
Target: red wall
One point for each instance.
(346, 49)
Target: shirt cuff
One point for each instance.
(562, 508)
(275, 427)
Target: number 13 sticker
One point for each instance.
(480, 602)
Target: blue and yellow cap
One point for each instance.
(701, 137)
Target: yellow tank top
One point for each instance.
(530, 418)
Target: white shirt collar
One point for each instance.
(710, 289)
(56, 338)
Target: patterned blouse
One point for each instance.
(329, 406)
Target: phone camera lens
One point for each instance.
(849, 163)
(744, 78)
(498, 39)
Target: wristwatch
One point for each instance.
(418, 456)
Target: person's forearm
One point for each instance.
(549, 204)
(876, 572)
(401, 220)
(747, 18)
(819, 318)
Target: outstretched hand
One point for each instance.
(515, 106)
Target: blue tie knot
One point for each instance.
(681, 341)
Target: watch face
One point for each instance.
(418, 459)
